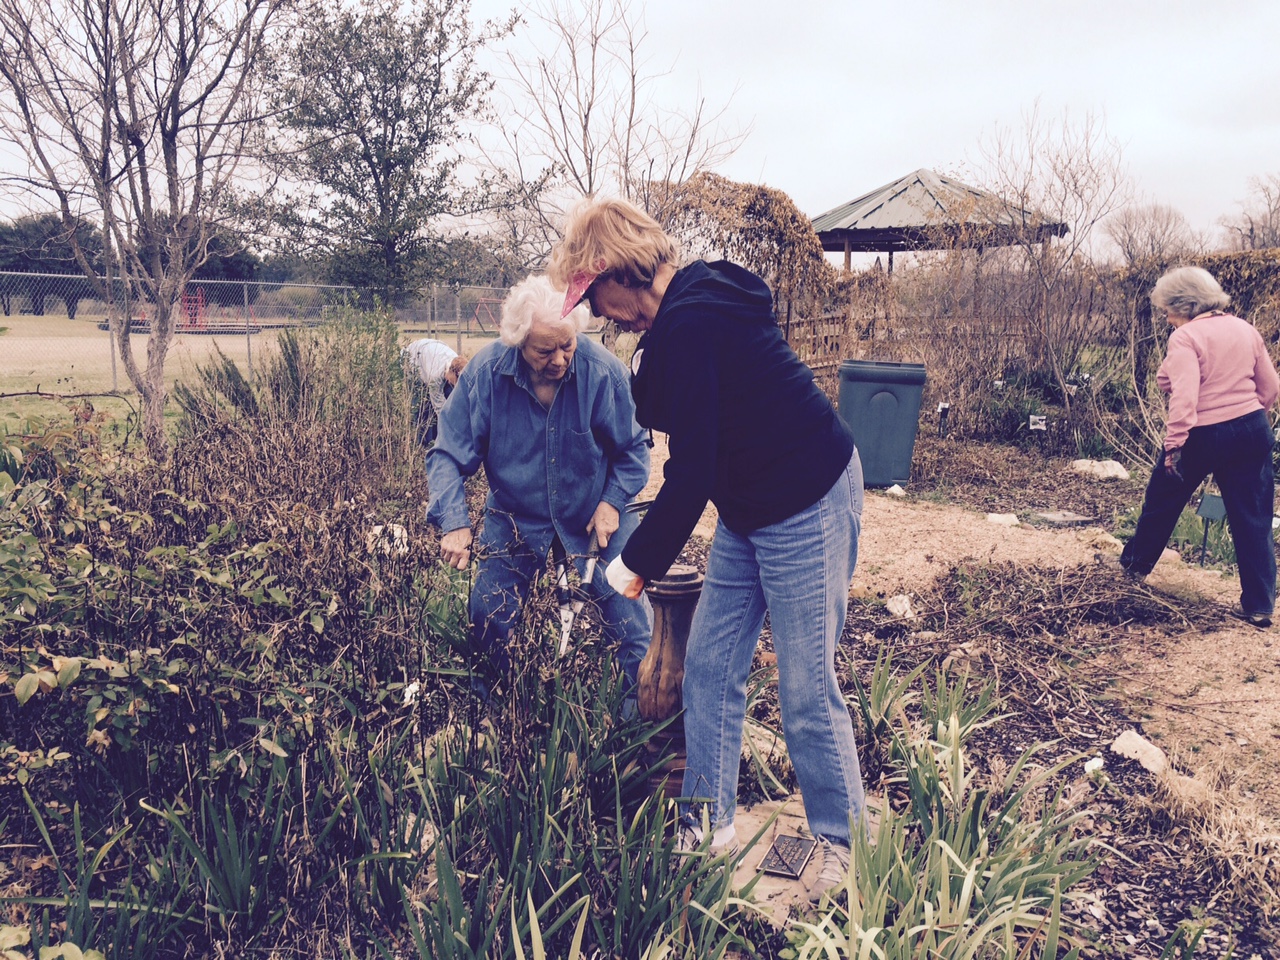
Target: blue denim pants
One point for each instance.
(798, 570)
(1238, 454)
(502, 583)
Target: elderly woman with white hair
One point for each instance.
(1221, 383)
(549, 415)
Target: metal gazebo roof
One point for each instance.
(925, 210)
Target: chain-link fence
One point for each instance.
(54, 334)
(207, 305)
(469, 311)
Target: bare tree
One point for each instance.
(138, 114)
(1150, 239)
(586, 120)
(1050, 172)
(1257, 226)
(1152, 233)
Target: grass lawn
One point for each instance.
(57, 355)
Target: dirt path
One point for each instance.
(1210, 699)
(907, 545)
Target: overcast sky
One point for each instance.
(843, 96)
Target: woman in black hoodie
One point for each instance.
(749, 431)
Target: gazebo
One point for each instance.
(924, 211)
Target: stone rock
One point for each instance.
(1133, 745)
(428, 836)
(779, 899)
(900, 607)
(757, 738)
(1102, 469)
(1194, 793)
(1065, 518)
(390, 540)
(1003, 519)
(1101, 540)
(962, 654)
(896, 491)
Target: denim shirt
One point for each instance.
(548, 469)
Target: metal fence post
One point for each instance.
(248, 336)
(111, 337)
(457, 320)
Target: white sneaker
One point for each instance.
(835, 868)
(724, 841)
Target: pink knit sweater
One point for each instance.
(1217, 368)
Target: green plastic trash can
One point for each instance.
(880, 401)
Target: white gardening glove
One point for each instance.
(623, 579)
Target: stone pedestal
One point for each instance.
(661, 673)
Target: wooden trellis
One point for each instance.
(821, 342)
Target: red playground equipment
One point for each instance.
(485, 306)
(193, 316)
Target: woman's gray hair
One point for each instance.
(1188, 292)
(535, 298)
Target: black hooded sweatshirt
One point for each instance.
(749, 430)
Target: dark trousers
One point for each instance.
(427, 422)
(1238, 454)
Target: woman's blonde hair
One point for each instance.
(614, 238)
(536, 298)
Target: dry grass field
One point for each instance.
(58, 355)
(54, 355)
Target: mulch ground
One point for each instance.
(999, 479)
(1040, 635)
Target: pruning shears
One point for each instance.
(572, 598)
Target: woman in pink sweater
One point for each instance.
(1221, 383)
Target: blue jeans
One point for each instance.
(503, 578)
(1238, 454)
(799, 571)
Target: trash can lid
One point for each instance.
(882, 371)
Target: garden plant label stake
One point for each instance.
(788, 856)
